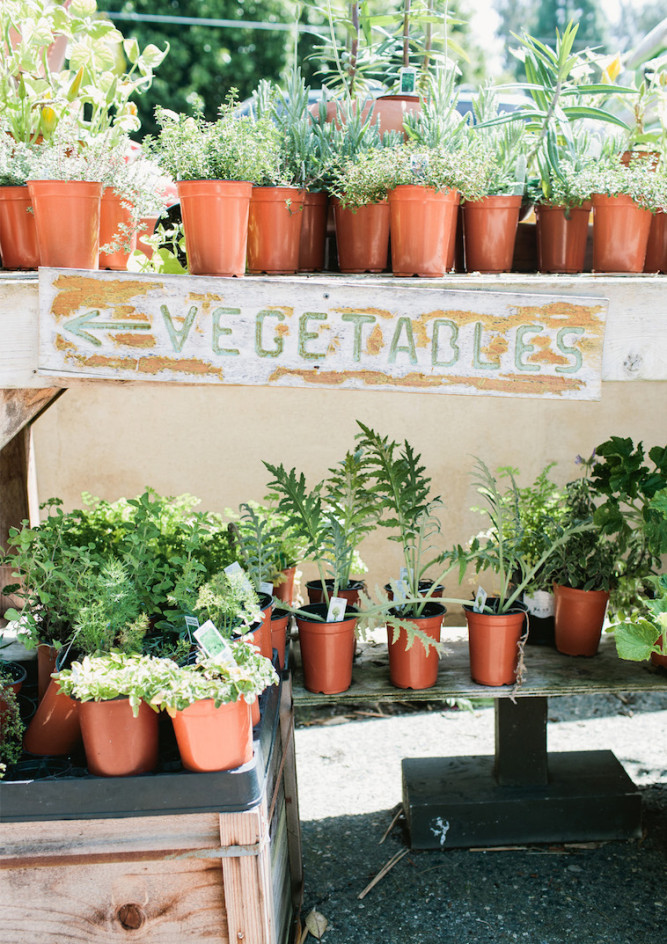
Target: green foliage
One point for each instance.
(505, 144)
(11, 726)
(646, 184)
(637, 638)
(265, 542)
(113, 675)
(230, 602)
(235, 147)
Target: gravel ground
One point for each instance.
(350, 787)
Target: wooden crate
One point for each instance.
(165, 879)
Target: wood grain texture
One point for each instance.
(18, 408)
(247, 879)
(547, 673)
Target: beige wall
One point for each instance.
(209, 441)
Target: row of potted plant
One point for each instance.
(244, 174)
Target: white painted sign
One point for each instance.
(369, 334)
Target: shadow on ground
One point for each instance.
(609, 893)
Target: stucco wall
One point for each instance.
(114, 440)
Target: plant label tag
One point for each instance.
(211, 642)
(236, 568)
(480, 600)
(401, 589)
(408, 80)
(266, 587)
(336, 611)
(404, 574)
(191, 624)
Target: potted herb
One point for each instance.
(11, 726)
(18, 238)
(209, 705)
(644, 636)
(215, 165)
(490, 222)
(119, 728)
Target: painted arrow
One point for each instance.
(83, 324)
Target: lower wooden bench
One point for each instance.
(195, 875)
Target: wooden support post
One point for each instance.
(291, 795)
(246, 878)
(521, 741)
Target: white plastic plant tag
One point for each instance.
(191, 624)
(336, 611)
(404, 574)
(401, 590)
(211, 642)
(266, 587)
(236, 568)
(480, 600)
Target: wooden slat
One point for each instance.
(18, 408)
(247, 879)
(547, 673)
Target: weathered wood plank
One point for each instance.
(18, 408)
(547, 673)
(247, 879)
(337, 334)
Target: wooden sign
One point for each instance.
(364, 334)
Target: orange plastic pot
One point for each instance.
(389, 111)
(284, 591)
(620, 234)
(489, 233)
(67, 219)
(279, 623)
(255, 714)
(351, 593)
(46, 666)
(562, 234)
(18, 236)
(116, 743)
(54, 728)
(313, 232)
(656, 250)
(657, 658)
(260, 636)
(362, 236)
(423, 230)
(215, 222)
(274, 230)
(146, 227)
(211, 738)
(327, 650)
(579, 617)
(493, 640)
(114, 218)
(415, 667)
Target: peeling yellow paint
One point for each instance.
(375, 341)
(282, 329)
(81, 291)
(62, 344)
(133, 340)
(379, 312)
(496, 347)
(146, 365)
(545, 353)
(334, 344)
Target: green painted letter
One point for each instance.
(477, 351)
(260, 350)
(454, 333)
(306, 335)
(178, 336)
(358, 320)
(219, 331)
(522, 347)
(407, 348)
(573, 351)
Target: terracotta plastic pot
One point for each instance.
(211, 738)
(351, 593)
(18, 235)
(493, 640)
(46, 666)
(116, 743)
(17, 673)
(260, 636)
(67, 219)
(55, 727)
(274, 230)
(362, 237)
(579, 617)
(215, 222)
(489, 233)
(279, 624)
(658, 658)
(561, 237)
(255, 713)
(327, 650)
(389, 111)
(656, 250)
(114, 217)
(415, 667)
(284, 591)
(313, 232)
(423, 230)
(146, 227)
(620, 234)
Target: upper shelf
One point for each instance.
(635, 333)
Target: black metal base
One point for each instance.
(457, 802)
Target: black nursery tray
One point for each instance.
(75, 794)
